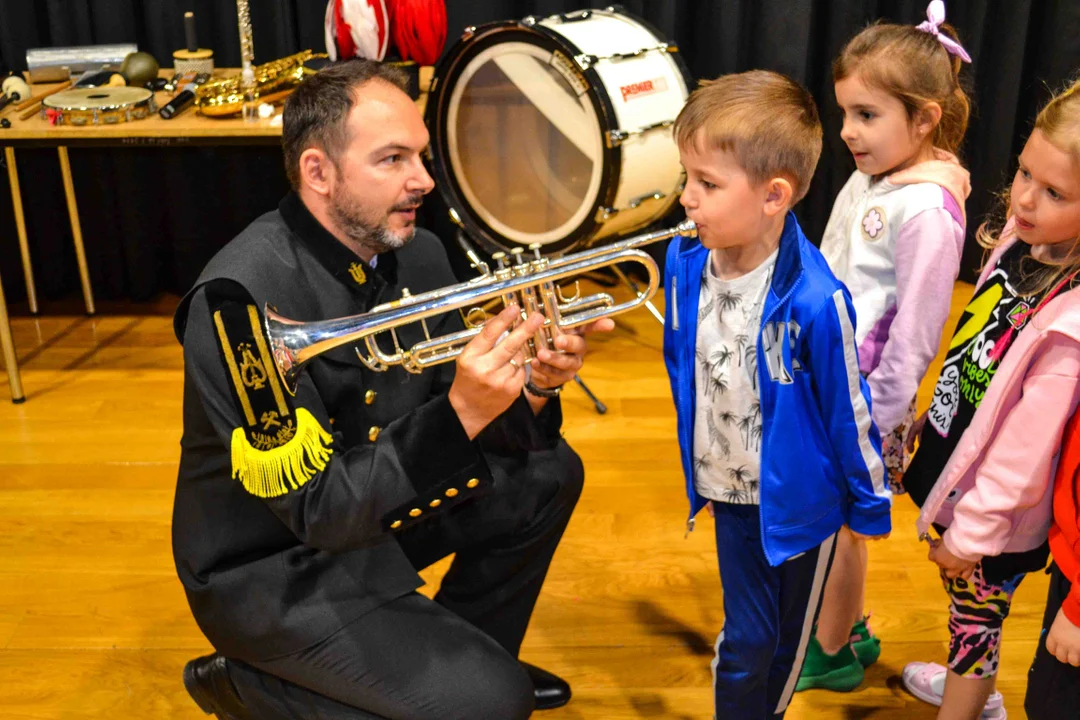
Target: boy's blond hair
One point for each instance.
(767, 121)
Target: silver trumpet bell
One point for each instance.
(528, 283)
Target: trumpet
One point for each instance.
(528, 283)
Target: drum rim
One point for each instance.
(51, 101)
(449, 68)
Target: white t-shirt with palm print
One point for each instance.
(727, 420)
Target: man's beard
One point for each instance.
(375, 237)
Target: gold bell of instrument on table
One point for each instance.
(275, 80)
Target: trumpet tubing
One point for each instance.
(531, 284)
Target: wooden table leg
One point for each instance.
(20, 225)
(76, 229)
(11, 362)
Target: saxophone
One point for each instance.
(274, 80)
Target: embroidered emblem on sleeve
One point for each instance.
(279, 447)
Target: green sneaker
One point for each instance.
(841, 672)
(866, 644)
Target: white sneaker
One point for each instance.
(926, 681)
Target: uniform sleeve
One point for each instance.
(1015, 471)
(844, 403)
(927, 265)
(281, 448)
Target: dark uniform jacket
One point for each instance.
(287, 507)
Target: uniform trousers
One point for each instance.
(454, 656)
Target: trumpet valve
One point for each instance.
(476, 317)
(521, 267)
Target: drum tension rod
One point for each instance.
(586, 61)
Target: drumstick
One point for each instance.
(39, 97)
(31, 111)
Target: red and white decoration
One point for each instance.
(362, 28)
(357, 28)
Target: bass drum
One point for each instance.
(557, 130)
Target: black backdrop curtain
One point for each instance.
(152, 217)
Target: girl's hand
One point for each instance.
(913, 433)
(1063, 640)
(952, 566)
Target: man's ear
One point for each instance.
(317, 171)
(778, 196)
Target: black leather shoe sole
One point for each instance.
(196, 692)
(204, 696)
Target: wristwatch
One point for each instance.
(542, 392)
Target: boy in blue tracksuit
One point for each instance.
(773, 416)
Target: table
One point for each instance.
(187, 129)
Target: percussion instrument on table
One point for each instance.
(99, 106)
(557, 130)
(62, 63)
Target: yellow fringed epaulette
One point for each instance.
(274, 472)
(276, 447)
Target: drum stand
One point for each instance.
(633, 286)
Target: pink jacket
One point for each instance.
(995, 494)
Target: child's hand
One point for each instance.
(860, 536)
(913, 433)
(1063, 640)
(952, 566)
(712, 513)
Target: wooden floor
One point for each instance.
(93, 621)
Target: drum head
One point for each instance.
(518, 145)
(97, 98)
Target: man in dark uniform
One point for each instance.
(301, 520)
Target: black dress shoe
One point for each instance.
(549, 690)
(207, 682)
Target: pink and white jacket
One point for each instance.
(896, 244)
(995, 494)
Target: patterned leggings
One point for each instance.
(976, 612)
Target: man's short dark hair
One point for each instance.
(315, 113)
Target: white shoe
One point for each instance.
(926, 681)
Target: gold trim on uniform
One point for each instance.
(275, 471)
(252, 371)
(358, 274)
(267, 360)
(234, 371)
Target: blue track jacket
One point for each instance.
(820, 451)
